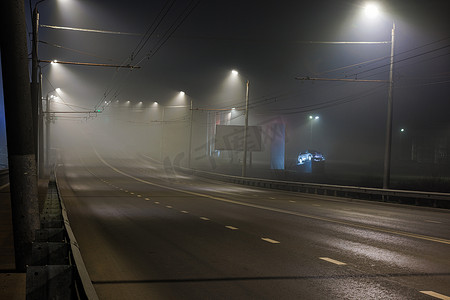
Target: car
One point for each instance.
(317, 156)
(309, 155)
(304, 157)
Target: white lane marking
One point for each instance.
(435, 295)
(316, 204)
(139, 196)
(131, 193)
(270, 241)
(431, 221)
(283, 211)
(292, 201)
(147, 199)
(184, 212)
(156, 202)
(168, 206)
(333, 261)
(231, 227)
(204, 218)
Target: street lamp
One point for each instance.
(371, 10)
(312, 118)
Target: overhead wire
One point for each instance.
(165, 10)
(131, 57)
(172, 29)
(168, 33)
(381, 58)
(75, 50)
(71, 106)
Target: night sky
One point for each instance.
(195, 44)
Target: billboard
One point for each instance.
(231, 137)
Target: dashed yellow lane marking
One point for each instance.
(184, 212)
(156, 202)
(139, 196)
(147, 199)
(333, 261)
(270, 241)
(231, 227)
(168, 206)
(435, 295)
(204, 218)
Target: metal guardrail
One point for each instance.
(85, 289)
(434, 199)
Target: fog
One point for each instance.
(139, 112)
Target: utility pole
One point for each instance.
(34, 78)
(388, 143)
(47, 135)
(190, 136)
(388, 138)
(40, 152)
(244, 162)
(162, 136)
(19, 128)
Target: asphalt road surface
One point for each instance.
(147, 232)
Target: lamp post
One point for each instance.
(244, 159)
(371, 10)
(312, 118)
(190, 135)
(388, 142)
(49, 119)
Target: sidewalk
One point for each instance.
(12, 284)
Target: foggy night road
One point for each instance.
(146, 233)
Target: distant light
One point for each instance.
(140, 102)
(128, 101)
(58, 90)
(316, 117)
(156, 102)
(371, 10)
(182, 93)
(234, 72)
(402, 130)
(54, 61)
(311, 117)
(233, 108)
